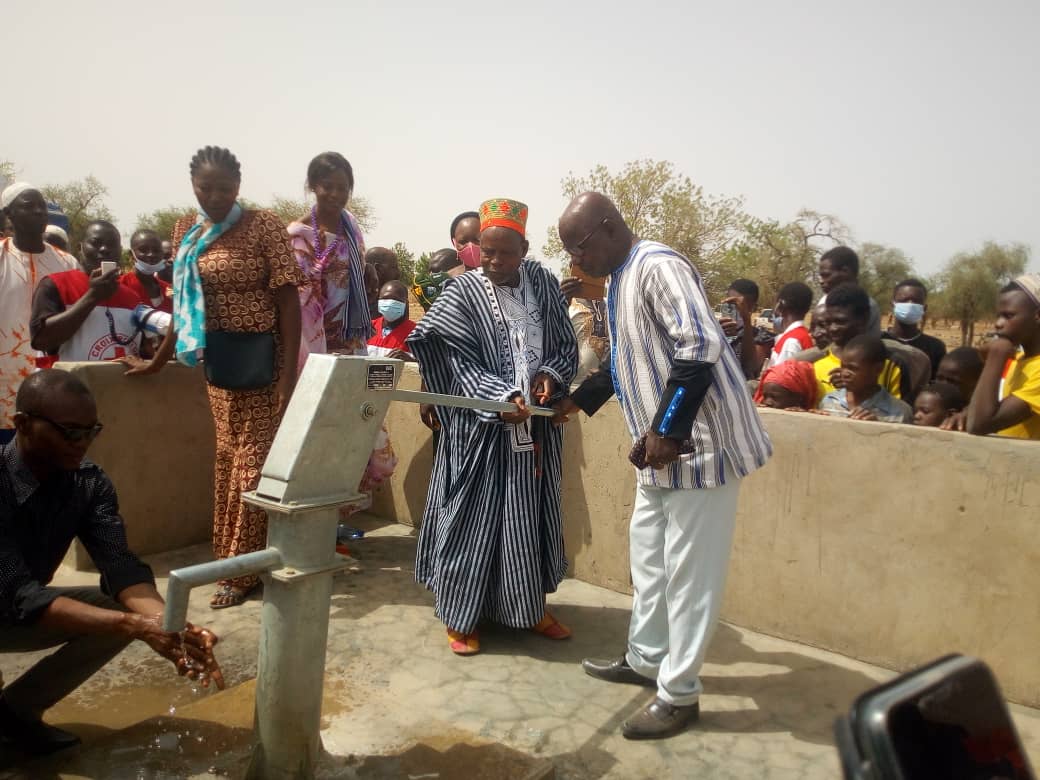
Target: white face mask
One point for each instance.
(146, 268)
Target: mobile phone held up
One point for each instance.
(108, 265)
(729, 311)
(945, 720)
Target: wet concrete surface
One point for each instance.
(398, 704)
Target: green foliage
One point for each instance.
(291, 209)
(660, 204)
(83, 201)
(420, 268)
(967, 288)
(405, 261)
(774, 254)
(163, 220)
(881, 268)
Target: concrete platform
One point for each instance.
(398, 704)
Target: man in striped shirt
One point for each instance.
(696, 434)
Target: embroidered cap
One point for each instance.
(1030, 284)
(503, 212)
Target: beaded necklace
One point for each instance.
(323, 257)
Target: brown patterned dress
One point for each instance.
(241, 271)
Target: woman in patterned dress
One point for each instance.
(249, 284)
(330, 251)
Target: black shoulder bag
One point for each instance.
(239, 361)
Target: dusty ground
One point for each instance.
(398, 704)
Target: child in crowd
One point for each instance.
(961, 367)
(790, 385)
(848, 315)
(1011, 408)
(937, 403)
(792, 336)
(392, 326)
(372, 290)
(863, 360)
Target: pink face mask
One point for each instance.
(469, 255)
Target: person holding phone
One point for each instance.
(86, 314)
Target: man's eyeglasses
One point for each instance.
(579, 248)
(71, 433)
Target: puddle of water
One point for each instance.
(157, 749)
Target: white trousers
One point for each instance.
(680, 543)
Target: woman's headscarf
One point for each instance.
(797, 376)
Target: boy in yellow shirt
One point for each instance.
(847, 314)
(1015, 411)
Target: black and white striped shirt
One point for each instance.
(657, 312)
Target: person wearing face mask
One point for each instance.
(789, 322)
(86, 314)
(392, 326)
(145, 279)
(908, 308)
(465, 237)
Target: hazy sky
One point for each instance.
(915, 122)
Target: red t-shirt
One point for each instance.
(393, 339)
(106, 333)
(166, 291)
(800, 334)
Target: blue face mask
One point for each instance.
(778, 324)
(908, 313)
(392, 310)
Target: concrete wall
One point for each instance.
(887, 543)
(158, 448)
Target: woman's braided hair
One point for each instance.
(217, 156)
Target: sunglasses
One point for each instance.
(71, 433)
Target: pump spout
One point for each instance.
(175, 616)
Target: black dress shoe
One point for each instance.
(616, 671)
(659, 720)
(33, 736)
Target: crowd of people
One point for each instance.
(249, 299)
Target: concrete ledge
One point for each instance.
(158, 448)
(890, 544)
(887, 543)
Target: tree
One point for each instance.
(969, 284)
(290, 209)
(405, 261)
(881, 268)
(774, 254)
(163, 220)
(660, 204)
(83, 201)
(7, 173)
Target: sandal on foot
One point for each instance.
(229, 596)
(551, 628)
(463, 644)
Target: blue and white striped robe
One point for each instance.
(491, 542)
